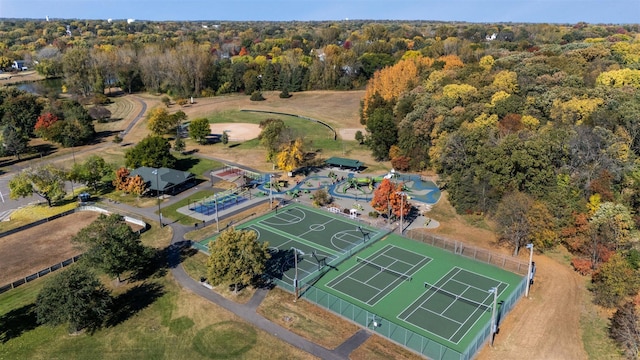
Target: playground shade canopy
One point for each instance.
(344, 162)
(166, 180)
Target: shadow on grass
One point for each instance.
(133, 301)
(17, 321)
(186, 163)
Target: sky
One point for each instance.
(481, 11)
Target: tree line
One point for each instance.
(544, 142)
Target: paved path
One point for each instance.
(245, 311)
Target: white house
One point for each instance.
(19, 65)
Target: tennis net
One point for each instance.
(384, 269)
(458, 297)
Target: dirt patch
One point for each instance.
(350, 134)
(236, 131)
(19, 77)
(547, 324)
(32, 250)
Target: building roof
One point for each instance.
(165, 179)
(344, 162)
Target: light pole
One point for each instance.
(494, 291)
(530, 247)
(270, 191)
(402, 194)
(295, 278)
(155, 171)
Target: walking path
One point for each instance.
(245, 311)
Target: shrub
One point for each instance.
(100, 99)
(321, 198)
(257, 96)
(284, 94)
(374, 214)
(100, 113)
(182, 102)
(117, 139)
(582, 266)
(165, 100)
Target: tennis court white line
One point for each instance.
(456, 271)
(418, 265)
(468, 327)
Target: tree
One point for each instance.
(273, 135)
(13, 142)
(614, 281)
(291, 156)
(179, 144)
(383, 133)
(121, 178)
(399, 202)
(237, 257)
(511, 217)
(44, 124)
(152, 151)
(93, 172)
(111, 245)
(46, 182)
(224, 138)
(359, 137)
(135, 185)
(321, 197)
(199, 129)
(382, 195)
(75, 297)
(160, 122)
(625, 329)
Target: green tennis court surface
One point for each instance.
(425, 298)
(317, 237)
(451, 306)
(371, 279)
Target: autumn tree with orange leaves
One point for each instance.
(390, 82)
(389, 197)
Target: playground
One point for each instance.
(342, 184)
(350, 190)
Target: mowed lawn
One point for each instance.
(171, 324)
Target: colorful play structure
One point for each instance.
(352, 187)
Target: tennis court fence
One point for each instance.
(502, 261)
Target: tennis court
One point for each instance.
(372, 278)
(450, 307)
(211, 206)
(312, 238)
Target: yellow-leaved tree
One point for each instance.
(291, 156)
(619, 78)
(574, 111)
(506, 81)
(390, 82)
